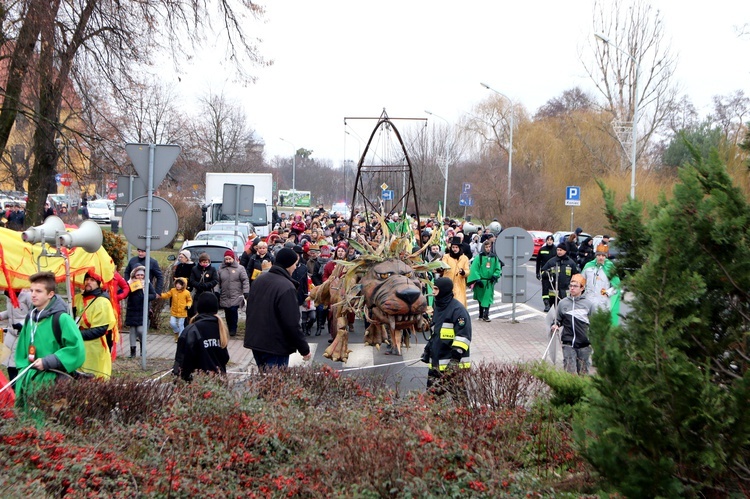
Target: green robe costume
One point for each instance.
(485, 271)
(66, 357)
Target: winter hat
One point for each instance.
(139, 268)
(562, 246)
(91, 274)
(289, 244)
(325, 251)
(207, 303)
(229, 253)
(445, 285)
(603, 249)
(578, 231)
(342, 244)
(204, 257)
(286, 257)
(181, 280)
(298, 249)
(186, 254)
(579, 279)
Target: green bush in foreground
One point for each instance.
(669, 414)
(300, 433)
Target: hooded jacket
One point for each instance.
(66, 357)
(181, 299)
(134, 309)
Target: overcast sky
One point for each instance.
(343, 58)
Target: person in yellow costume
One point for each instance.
(96, 316)
(458, 270)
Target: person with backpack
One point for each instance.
(96, 317)
(49, 343)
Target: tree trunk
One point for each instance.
(19, 63)
(42, 176)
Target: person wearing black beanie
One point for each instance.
(286, 257)
(448, 347)
(272, 328)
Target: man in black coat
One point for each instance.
(157, 278)
(272, 328)
(560, 268)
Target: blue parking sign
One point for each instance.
(572, 195)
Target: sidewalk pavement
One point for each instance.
(499, 341)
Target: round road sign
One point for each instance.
(163, 222)
(524, 245)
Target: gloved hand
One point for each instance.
(539, 277)
(478, 284)
(456, 355)
(18, 326)
(461, 272)
(246, 295)
(493, 280)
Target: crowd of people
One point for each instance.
(577, 279)
(272, 279)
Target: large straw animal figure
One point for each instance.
(383, 284)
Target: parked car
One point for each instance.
(341, 208)
(236, 240)
(560, 234)
(244, 228)
(215, 250)
(540, 236)
(100, 211)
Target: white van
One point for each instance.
(342, 208)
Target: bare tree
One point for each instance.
(635, 64)
(731, 114)
(221, 135)
(108, 38)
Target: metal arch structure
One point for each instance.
(409, 194)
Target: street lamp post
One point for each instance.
(510, 146)
(294, 172)
(447, 165)
(634, 145)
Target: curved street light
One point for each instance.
(634, 145)
(510, 146)
(447, 165)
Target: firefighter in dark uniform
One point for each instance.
(560, 269)
(545, 254)
(451, 336)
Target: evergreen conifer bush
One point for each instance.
(668, 415)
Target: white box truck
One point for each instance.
(262, 217)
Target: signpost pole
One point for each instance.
(571, 218)
(515, 276)
(149, 215)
